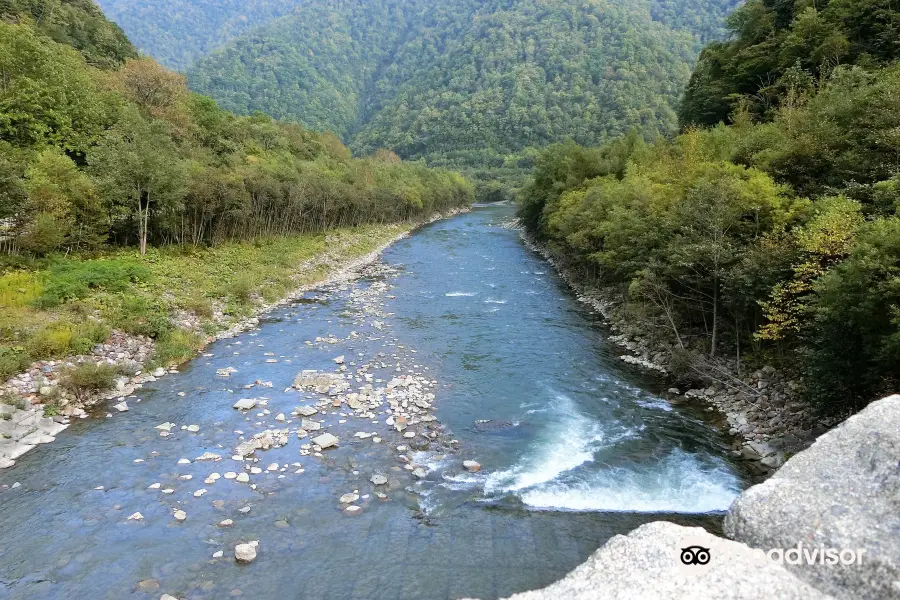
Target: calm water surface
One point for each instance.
(574, 449)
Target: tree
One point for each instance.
(139, 168)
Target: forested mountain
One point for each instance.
(77, 23)
(466, 82)
(777, 236)
(177, 32)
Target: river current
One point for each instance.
(575, 447)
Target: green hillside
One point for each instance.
(467, 83)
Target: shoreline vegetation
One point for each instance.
(237, 283)
(754, 256)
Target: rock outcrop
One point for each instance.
(646, 564)
(843, 493)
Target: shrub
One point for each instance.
(60, 339)
(13, 360)
(200, 306)
(177, 346)
(18, 289)
(88, 378)
(139, 315)
(242, 288)
(71, 280)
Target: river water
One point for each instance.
(575, 448)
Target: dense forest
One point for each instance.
(124, 153)
(465, 84)
(775, 237)
(178, 32)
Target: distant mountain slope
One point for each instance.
(77, 23)
(177, 32)
(466, 82)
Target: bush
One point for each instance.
(176, 347)
(88, 378)
(61, 339)
(139, 315)
(242, 288)
(71, 280)
(200, 306)
(13, 360)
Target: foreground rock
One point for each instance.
(843, 493)
(646, 564)
(246, 553)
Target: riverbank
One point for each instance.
(143, 317)
(759, 408)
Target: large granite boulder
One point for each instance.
(843, 493)
(647, 564)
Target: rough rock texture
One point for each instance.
(646, 564)
(843, 492)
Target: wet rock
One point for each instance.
(326, 440)
(148, 585)
(136, 517)
(378, 479)
(246, 403)
(353, 510)
(471, 466)
(242, 478)
(349, 498)
(339, 360)
(121, 407)
(180, 515)
(309, 425)
(209, 456)
(306, 411)
(271, 438)
(246, 553)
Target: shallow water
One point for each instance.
(574, 449)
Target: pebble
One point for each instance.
(180, 515)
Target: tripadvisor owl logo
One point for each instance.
(695, 555)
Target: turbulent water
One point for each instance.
(574, 447)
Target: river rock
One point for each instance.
(646, 564)
(339, 360)
(471, 466)
(326, 440)
(843, 492)
(121, 407)
(180, 515)
(306, 411)
(246, 553)
(378, 479)
(349, 498)
(246, 403)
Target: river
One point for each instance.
(574, 445)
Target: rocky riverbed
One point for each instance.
(24, 419)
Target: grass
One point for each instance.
(64, 306)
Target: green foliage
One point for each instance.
(176, 346)
(60, 339)
(853, 354)
(780, 49)
(13, 360)
(469, 83)
(132, 157)
(76, 23)
(88, 378)
(71, 280)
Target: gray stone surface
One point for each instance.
(646, 565)
(843, 492)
